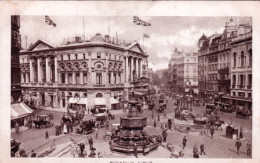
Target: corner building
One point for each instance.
(94, 72)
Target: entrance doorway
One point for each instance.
(51, 102)
(63, 103)
(43, 100)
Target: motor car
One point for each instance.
(226, 108)
(101, 118)
(43, 121)
(200, 119)
(113, 133)
(210, 108)
(86, 127)
(242, 114)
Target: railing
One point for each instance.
(99, 85)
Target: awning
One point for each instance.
(187, 89)
(196, 91)
(113, 101)
(20, 110)
(83, 101)
(99, 101)
(138, 93)
(73, 100)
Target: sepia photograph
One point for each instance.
(131, 86)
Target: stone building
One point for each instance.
(241, 68)
(15, 65)
(187, 74)
(98, 71)
(214, 61)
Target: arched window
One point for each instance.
(99, 95)
(242, 59)
(70, 94)
(234, 59)
(250, 57)
(76, 95)
(85, 95)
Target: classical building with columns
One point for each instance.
(99, 71)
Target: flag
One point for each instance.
(49, 21)
(146, 36)
(138, 21)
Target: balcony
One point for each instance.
(99, 85)
(223, 70)
(224, 81)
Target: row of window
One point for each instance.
(98, 56)
(242, 60)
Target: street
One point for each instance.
(219, 146)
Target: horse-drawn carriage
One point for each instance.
(210, 108)
(161, 106)
(43, 121)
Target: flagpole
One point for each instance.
(44, 29)
(109, 26)
(83, 28)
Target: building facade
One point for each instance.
(15, 65)
(187, 74)
(94, 72)
(241, 68)
(214, 61)
(172, 70)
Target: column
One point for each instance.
(119, 79)
(131, 68)
(47, 70)
(126, 69)
(31, 71)
(56, 69)
(39, 70)
(89, 69)
(81, 77)
(66, 97)
(141, 68)
(22, 79)
(136, 67)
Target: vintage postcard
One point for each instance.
(129, 82)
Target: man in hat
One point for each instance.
(90, 141)
(202, 149)
(238, 145)
(248, 148)
(135, 150)
(184, 140)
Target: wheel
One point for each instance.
(108, 138)
(42, 126)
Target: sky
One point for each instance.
(166, 33)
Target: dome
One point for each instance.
(231, 23)
(97, 38)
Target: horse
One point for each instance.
(218, 124)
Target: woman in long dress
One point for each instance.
(65, 129)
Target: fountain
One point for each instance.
(131, 132)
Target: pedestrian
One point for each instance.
(164, 134)
(135, 150)
(195, 152)
(82, 148)
(248, 148)
(71, 128)
(202, 149)
(184, 140)
(53, 145)
(16, 128)
(90, 141)
(107, 124)
(46, 134)
(144, 146)
(96, 132)
(238, 145)
(22, 152)
(92, 154)
(211, 131)
(154, 122)
(33, 154)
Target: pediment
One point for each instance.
(40, 45)
(136, 47)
